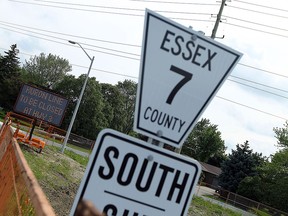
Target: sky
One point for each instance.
(251, 102)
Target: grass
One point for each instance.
(55, 171)
(58, 173)
(78, 148)
(80, 159)
(202, 207)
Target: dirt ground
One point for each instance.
(60, 189)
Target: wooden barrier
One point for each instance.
(20, 193)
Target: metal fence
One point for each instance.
(232, 199)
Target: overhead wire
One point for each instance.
(263, 70)
(103, 52)
(119, 51)
(257, 83)
(255, 23)
(120, 43)
(174, 2)
(177, 18)
(269, 7)
(233, 81)
(121, 8)
(258, 30)
(134, 77)
(255, 109)
(76, 36)
(258, 88)
(255, 11)
(107, 12)
(233, 76)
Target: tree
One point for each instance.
(45, 70)
(204, 142)
(90, 118)
(10, 79)
(128, 90)
(281, 135)
(113, 108)
(240, 164)
(270, 185)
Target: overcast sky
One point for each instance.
(250, 103)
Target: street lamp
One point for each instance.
(79, 99)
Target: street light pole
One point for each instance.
(79, 99)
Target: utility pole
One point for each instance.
(218, 19)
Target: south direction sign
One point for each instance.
(126, 176)
(180, 72)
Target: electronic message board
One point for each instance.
(41, 104)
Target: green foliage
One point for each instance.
(128, 90)
(90, 118)
(252, 188)
(270, 186)
(240, 164)
(204, 142)
(281, 135)
(10, 80)
(46, 70)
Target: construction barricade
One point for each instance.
(20, 193)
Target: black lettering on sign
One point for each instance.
(163, 119)
(170, 179)
(132, 157)
(187, 76)
(165, 172)
(180, 186)
(142, 173)
(110, 210)
(108, 160)
(188, 50)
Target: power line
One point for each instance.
(258, 110)
(255, 11)
(258, 88)
(253, 29)
(105, 71)
(245, 65)
(108, 12)
(121, 8)
(77, 36)
(259, 83)
(113, 42)
(72, 45)
(171, 2)
(256, 23)
(231, 101)
(263, 70)
(113, 50)
(269, 7)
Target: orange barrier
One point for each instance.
(20, 193)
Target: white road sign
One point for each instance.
(126, 176)
(180, 72)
